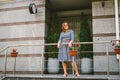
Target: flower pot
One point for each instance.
(53, 65)
(14, 54)
(72, 52)
(86, 65)
(117, 50)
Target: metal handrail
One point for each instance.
(48, 44)
(4, 49)
(19, 45)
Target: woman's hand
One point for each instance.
(58, 45)
(69, 44)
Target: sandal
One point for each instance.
(77, 75)
(65, 75)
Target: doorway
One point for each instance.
(58, 11)
(68, 11)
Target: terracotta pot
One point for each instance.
(14, 54)
(72, 53)
(117, 50)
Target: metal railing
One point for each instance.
(106, 43)
(21, 45)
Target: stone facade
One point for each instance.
(18, 26)
(104, 30)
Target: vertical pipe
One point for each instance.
(116, 19)
(107, 62)
(117, 26)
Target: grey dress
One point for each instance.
(64, 38)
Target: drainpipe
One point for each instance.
(116, 20)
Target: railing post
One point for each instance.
(42, 59)
(73, 65)
(5, 63)
(119, 64)
(107, 62)
(14, 65)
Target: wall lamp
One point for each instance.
(32, 8)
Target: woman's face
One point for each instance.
(65, 26)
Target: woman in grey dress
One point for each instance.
(65, 41)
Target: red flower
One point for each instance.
(118, 40)
(74, 47)
(14, 49)
(113, 44)
(77, 45)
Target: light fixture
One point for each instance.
(32, 8)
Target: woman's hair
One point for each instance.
(63, 26)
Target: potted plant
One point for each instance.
(14, 53)
(73, 50)
(117, 48)
(85, 35)
(52, 51)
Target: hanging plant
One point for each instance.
(116, 47)
(14, 53)
(73, 49)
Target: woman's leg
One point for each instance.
(64, 68)
(75, 68)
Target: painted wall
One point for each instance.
(104, 30)
(18, 26)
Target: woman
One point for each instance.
(65, 41)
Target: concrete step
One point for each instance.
(60, 77)
(19, 78)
